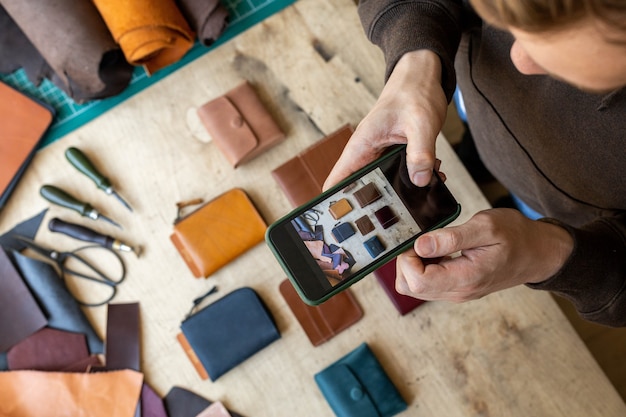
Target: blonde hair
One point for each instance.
(538, 16)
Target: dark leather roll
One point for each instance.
(74, 41)
(208, 18)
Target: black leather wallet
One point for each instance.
(227, 332)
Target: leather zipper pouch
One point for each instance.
(386, 217)
(240, 125)
(386, 277)
(367, 194)
(364, 224)
(358, 386)
(342, 231)
(218, 232)
(227, 332)
(340, 208)
(321, 323)
(301, 178)
(374, 246)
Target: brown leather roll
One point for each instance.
(208, 18)
(76, 43)
(151, 33)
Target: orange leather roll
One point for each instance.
(151, 33)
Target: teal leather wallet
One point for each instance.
(357, 385)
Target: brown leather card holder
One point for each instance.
(240, 124)
(301, 178)
(322, 322)
(367, 194)
(218, 232)
(364, 224)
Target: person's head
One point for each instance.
(582, 42)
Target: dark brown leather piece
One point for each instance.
(122, 339)
(386, 276)
(322, 322)
(240, 125)
(386, 217)
(73, 39)
(208, 18)
(302, 177)
(20, 315)
(364, 224)
(48, 350)
(367, 194)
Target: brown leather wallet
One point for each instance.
(218, 232)
(364, 224)
(240, 125)
(322, 322)
(302, 177)
(367, 194)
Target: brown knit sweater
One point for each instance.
(557, 148)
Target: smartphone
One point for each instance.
(358, 225)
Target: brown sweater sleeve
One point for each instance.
(398, 27)
(594, 277)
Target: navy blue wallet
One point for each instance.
(342, 231)
(227, 332)
(357, 386)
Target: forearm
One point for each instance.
(594, 276)
(398, 27)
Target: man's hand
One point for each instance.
(499, 249)
(411, 109)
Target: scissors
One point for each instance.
(93, 273)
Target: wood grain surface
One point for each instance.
(509, 354)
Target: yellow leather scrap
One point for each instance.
(57, 394)
(152, 33)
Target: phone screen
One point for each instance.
(360, 224)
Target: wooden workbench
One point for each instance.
(512, 353)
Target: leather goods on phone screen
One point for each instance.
(386, 217)
(357, 386)
(386, 276)
(340, 208)
(151, 33)
(227, 332)
(240, 125)
(367, 194)
(301, 178)
(20, 316)
(23, 121)
(218, 232)
(364, 224)
(323, 322)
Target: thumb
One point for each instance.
(420, 157)
(444, 242)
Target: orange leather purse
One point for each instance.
(218, 232)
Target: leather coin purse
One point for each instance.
(340, 208)
(228, 331)
(358, 386)
(218, 232)
(342, 231)
(240, 125)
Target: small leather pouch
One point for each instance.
(323, 322)
(227, 332)
(342, 231)
(374, 246)
(357, 386)
(364, 224)
(386, 276)
(367, 194)
(301, 178)
(218, 232)
(340, 208)
(240, 125)
(386, 217)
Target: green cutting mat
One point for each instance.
(70, 116)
